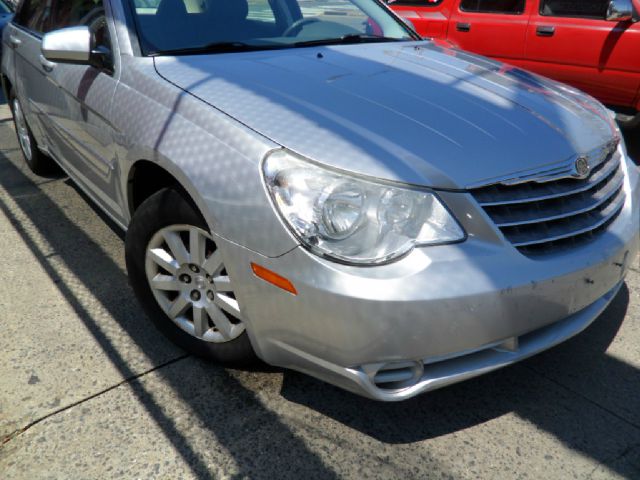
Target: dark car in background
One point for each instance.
(6, 14)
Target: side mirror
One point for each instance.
(68, 45)
(74, 45)
(620, 11)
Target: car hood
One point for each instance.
(412, 111)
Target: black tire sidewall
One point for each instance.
(165, 208)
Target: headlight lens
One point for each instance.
(352, 219)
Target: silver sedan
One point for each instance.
(310, 183)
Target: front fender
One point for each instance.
(213, 157)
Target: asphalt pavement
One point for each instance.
(89, 389)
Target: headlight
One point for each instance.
(352, 219)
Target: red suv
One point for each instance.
(593, 45)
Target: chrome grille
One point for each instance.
(543, 217)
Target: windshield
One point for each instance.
(199, 26)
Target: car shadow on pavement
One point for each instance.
(219, 401)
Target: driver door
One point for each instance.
(494, 28)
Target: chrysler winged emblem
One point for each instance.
(581, 167)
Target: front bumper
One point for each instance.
(438, 316)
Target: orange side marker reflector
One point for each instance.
(273, 278)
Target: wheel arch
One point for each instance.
(145, 178)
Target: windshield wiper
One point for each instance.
(224, 47)
(215, 47)
(349, 39)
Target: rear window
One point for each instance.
(575, 8)
(510, 7)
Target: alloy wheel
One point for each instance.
(190, 283)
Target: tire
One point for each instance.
(159, 226)
(38, 162)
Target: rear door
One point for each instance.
(495, 28)
(570, 41)
(82, 120)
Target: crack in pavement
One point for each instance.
(584, 397)
(128, 380)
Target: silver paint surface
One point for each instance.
(411, 112)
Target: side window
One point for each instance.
(575, 8)
(146, 7)
(338, 11)
(150, 7)
(510, 7)
(73, 13)
(34, 15)
(261, 10)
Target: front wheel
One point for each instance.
(178, 275)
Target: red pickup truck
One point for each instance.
(593, 45)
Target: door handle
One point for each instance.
(463, 27)
(545, 31)
(47, 66)
(14, 41)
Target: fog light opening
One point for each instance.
(396, 375)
